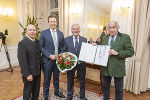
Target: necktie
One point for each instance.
(76, 46)
(112, 41)
(55, 42)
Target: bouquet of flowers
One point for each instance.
(66, 61)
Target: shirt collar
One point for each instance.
(52, 30)
(30, 38)
(114, 36)
(75, 37)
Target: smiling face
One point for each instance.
(52, 21)
(113, 28)
(31, 31)
(75, 29)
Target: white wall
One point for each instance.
(13, 57)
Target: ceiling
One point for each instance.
(105, 4)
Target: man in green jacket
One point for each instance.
(120, 49)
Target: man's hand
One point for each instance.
(53, 57)
(113, 52)
(94, 44)
(30, 78)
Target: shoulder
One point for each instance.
(83, 38)
(60, 33)
(105, 37)
(68, 38)
(123, 35)
(45, 31)
(22, 42)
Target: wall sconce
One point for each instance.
(75, 11)
(124, 10)
(90, 26)
(101, 27)
(6, 12)
(125, 6)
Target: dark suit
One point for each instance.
(29, 58)
(80, 67)
(116, 64)
(101, 37)
(47, 47)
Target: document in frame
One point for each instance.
(101, 57)
(87, 52)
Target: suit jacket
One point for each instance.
(29, 57)
(116, 64)
(69, 45)
(101, 37)
(47, 45)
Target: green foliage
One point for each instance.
(33, 21)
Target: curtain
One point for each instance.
(137, 76)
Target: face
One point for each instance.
(31, 31)
(75, 30)
(112, 28)
(52, 23)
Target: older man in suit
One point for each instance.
(29, 58)
(51, 44)
(73, 45)
(121, 48)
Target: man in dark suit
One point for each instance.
(102, 34)
(51, 44)
(73, 45)
(29, 58)
(121, 48)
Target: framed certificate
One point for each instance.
(95, 54)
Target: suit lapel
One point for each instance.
(117, 40)
(58, 37)
(80, 41)
(50, 37)
(71, 42)
(105, 41)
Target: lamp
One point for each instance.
(125, 6)
(75, 11)
(6, 12)
(124, 10)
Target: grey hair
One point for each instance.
(115, 22)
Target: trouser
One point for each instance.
(81, 69)
(31, 88)
(48, 69)
(118, 87)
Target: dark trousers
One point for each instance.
(31, 88)
(118, 87)
(48, 69)
(81, 69)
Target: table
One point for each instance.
(99, 68)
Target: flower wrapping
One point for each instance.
(66, 61)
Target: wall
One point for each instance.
(95, 17)
(10, 23)
(13, 35)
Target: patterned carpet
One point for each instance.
(90, 95)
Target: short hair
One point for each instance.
(52, 16)
(76, 25)
(29, 26)
(104, 28)
(115, 22)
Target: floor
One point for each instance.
(11, 86)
